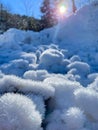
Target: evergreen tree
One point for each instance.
(49, 14)
(3, 18)
(1, 10)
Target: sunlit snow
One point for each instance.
(49, 80)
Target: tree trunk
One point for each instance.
(74, 8)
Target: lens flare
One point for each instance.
(62, 9)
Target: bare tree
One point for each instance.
(74, 8)
(28, 7)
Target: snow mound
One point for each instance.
(64, 92)
(81, 68)
(38, 75)
(1, 74)
(55, 122)
(30, 57)
(16, 67)
(66, 119)
(87, 100)
(51, 59)
(75, 58)
(51, 55)
(94, 84)
(40, 106)
(92, 78)
(17, 112)
(72, 116)
(12, 83)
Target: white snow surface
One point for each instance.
(49, 79)
(18, 112)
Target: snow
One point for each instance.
(11, 83)
(51, 60)
(18, 112)
(71, 119)
(72, 116)
(75, 58)
(51, 75)
(30, 57)
(79, 66)
(16, 67)
(40, 106)
(87, 100)
(64, 97)
(50, 57)
(37, 75)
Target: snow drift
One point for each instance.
(49, 80)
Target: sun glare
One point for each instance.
(62, 9)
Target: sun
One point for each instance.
(62, 9)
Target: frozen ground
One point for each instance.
(49, 80)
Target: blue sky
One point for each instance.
(19, 7)
(30, 7)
